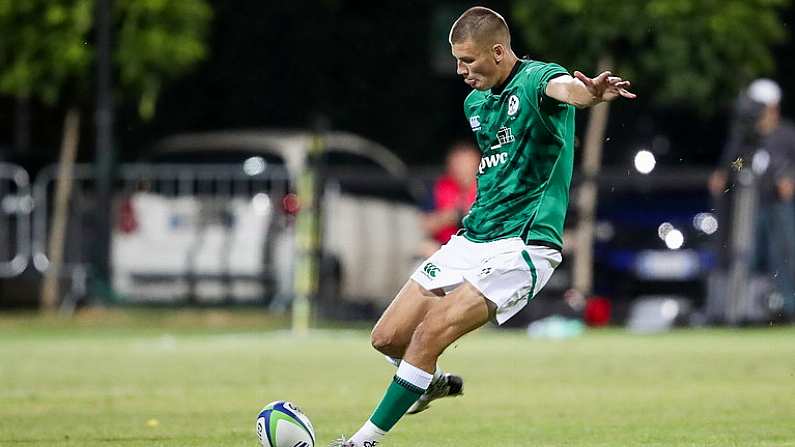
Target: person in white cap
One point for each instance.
(762, 141)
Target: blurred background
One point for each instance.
(301, 158)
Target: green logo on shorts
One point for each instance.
(430, 270)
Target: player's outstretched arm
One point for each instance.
(582, 91)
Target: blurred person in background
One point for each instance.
(453, 194)
(762, 141)
(522, 117)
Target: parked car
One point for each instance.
(654, 237)
(229, 233)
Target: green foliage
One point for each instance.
(158, 40)
(47, 45)
(43, 46)
(679, 51)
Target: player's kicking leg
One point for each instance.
(493, 280)
(445, 321)
(393, 331)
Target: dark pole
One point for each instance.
(104, 146)
(22, 126)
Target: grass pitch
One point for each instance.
(199, 379)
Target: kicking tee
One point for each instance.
(526, 141)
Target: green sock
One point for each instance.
(406, 387)
(400, 395)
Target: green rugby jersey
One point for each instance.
(526, 141)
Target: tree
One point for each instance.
(696, 53)
(44, 45)
(47, 50)
(158, 40)
(47, 46)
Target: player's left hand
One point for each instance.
(606, 87)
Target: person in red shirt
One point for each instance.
(453, 194)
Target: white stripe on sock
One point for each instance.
(414, 375)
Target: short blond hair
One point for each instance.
(482, 26)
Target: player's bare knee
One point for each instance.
(380, 340)
(385, 341)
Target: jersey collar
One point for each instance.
(497, 90)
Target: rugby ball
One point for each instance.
(282, 424)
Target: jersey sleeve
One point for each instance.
(539, 76)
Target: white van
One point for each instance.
(213, 219)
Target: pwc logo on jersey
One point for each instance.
(504, 136)
(492, 160)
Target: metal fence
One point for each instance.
(215, 234)
(15, 211)
(202, 233)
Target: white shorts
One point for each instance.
(506, 271)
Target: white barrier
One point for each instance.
(16, 205)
